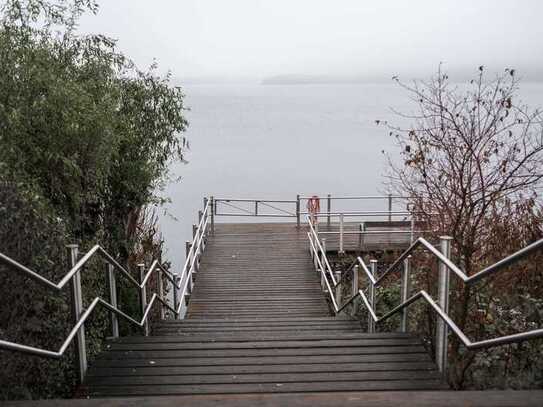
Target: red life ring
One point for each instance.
(314, 207)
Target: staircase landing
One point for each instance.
(258, 322)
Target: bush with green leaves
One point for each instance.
(86, 139)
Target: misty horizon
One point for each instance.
(213, 41)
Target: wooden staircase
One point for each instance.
(258, 322)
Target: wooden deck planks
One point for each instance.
(258, 322)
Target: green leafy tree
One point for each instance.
(86, 139)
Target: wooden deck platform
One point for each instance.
(259, 332)
(258, 322)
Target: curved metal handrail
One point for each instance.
(97, 249)
(451, 266)
(536, 333)
(483, 344)
(82, 315)
(192, 256)
(313, 236)
(321, 269)
(80, 322)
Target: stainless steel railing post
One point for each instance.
(328, 208)
(160, 291)
(143, 298)
(443, 301)
(371, 295)
(341, 233)
(404, 291)
(80, 359)
(213, 212)
(112, 285)
(298, 210)
(323, 264)
(188, 246)
(338, 287)
(175, 294)
(354, 281)
(390, 207)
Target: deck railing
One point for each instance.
(80, 315)
(332, 281)
(181, 285)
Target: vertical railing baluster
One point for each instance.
(213, 213)
(298, 210)
(443, 301)
(80, 359)
(160, 291)
(175, 291)
(371, 295)
(188, 247)
(341, 251)
(390, 207)
(404, 291)
(328, 208)
(143, 298)
(354, 285)
(112, 286)
(323, 265)
(339, 293)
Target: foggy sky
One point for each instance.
(235, 39)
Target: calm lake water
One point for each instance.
(275, 141)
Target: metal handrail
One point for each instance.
(314, 239)
(81, 321)
(97, 249)
(193, 254)
(80, 315)
(442, 307)
(73, 276)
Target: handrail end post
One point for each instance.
(80, 359)
(443, 301)
(354, 287)
(298, 210)
(328, 208)
(143, 299)
(213, 208)
(371, 295)
(339, 293)
(112, 285)
(404, 291)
